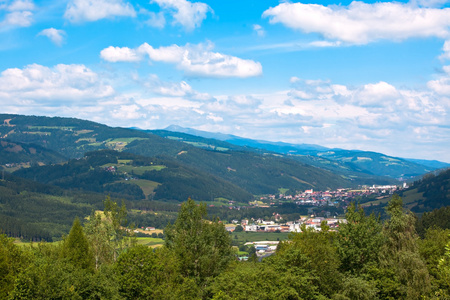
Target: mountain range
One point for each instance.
(56, 168)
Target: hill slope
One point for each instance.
(336, 160)
(257, 173)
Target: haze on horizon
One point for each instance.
(370, 75)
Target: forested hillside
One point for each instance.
(257, 173)
(365, 259)
(133, 177)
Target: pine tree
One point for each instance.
(76, 247)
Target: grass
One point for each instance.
(149, 241)
(282, 190)
(139, 170)
(146, 186)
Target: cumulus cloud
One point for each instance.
(362, 23)
(194, 60)
(446, 50)
(441, 85)
(55, 35)
(174, 89)
(78, 11)
(185, 13)
(19, 13)
(121, 54)
(40, 84)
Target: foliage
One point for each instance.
(12, 261)
(75, 248)
(320, 251)
(359, 240)
(203, 248)
(400, 252)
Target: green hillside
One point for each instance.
(252, 171)
(126, 175)
(356, 164)
(424, 195)
(13, 155)
(35, 211)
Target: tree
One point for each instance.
(12, 261)
(400, 253)
(143, 273)
(203, 248)
(358, 240)
(320, 251)
(107, 232)
(444, 273)
(238, 228)
(76, 247)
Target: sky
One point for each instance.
(371, 76)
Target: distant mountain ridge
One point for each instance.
(367, 161)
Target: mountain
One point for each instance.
(134, 177)
(256, 172)
(17, 153)
(347, 162)
(434, 164)
(430, 192)
(279, 147)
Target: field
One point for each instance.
(147, 186)
(151, 242)
(139, 170)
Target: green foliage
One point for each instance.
(76, 247)
(238, 228)
(433, 191)
(400, 252)
(320, 251)
(432, 248)
(203, 248)
(50, 278)
(145, 274)
(356, 288)
(107, 233)
(436, 218)
(261, 281)
(12, 261)
(359, 240)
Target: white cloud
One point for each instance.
(20, 5)
(446, 50)
(194, 60)
(19, 14)
(187, 14)
(174, 89)
(362, 23)
(156, 20)
(55, 35)
(441, 85)
(39, 84)
(120, 54)
(376, 94)
(78, 11)
(259, 30)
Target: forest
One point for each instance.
(367, 258)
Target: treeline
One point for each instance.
(365, 259)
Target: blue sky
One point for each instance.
(355, 75)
